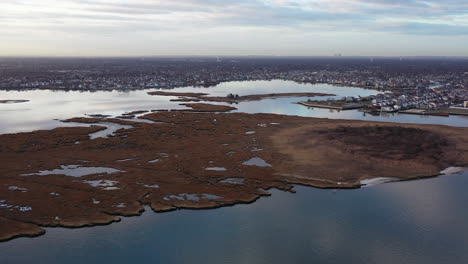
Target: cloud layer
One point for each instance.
(204, 25)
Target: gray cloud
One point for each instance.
(164, 19)
(333, 14)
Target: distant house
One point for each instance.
(465, 104)
(387, 109)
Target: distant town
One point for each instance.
(406, 83)
(439, 100)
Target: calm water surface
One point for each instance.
(423, 221)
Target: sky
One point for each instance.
(233, 27)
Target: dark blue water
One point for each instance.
(406, 222)
(423, 221)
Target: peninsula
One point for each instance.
(69, 177)
(232, 98)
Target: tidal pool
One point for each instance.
(75, 171)
(256, 162)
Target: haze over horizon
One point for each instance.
(236, 28)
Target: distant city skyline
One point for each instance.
(234, 28)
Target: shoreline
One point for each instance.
(196, 97)
(176, 180)
(42, 228)
(214, 84)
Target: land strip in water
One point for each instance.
(13, 101)
(232, 98)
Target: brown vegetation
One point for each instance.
(162, 165)
(392, 142)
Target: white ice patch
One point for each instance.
(155, 186)
(453, 170)
(4, 205)
(111, 188)
(16, 188)
(375, 181)
(75, 171)
(250, 132)
(216, 169)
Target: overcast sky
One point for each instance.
(233, 27)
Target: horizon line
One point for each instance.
(232, 56)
